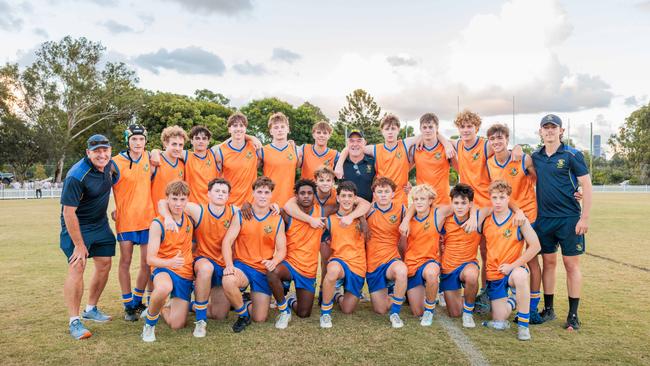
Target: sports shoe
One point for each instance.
(482, 304)
(78, 331)
(144, 313)
(149, 333)
(325, 321)
(535, 318)
(241, 323)
(283, 320)
(547, 315)
(441, 299)
(497, 324)
(523, 333)
(273, 304)
(468, 320)
(130, 315)
(396, 321)
(140, 308)
(96, 315)
(572, 322)
(200, 329)
(427, 319)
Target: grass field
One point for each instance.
(613, 311)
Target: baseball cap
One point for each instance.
(97, 141)
(355, 131)
(552, 119)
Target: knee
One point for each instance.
(303, 313)
(401, 271)
(378, 309)
(203, 271)
(177, 324)
(273, 276)
(228, 283)
(164, 288)
(454, 312)
(125, 261)
(259, 318)
(347, 309)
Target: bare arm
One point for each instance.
(450, 150)
(226, 245)
(280, 250)
(155, 234)
(583, 224)
(338, 169)
(292, 209)
(361, 209)
(80, 253)
(531, 251)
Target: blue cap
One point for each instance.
(355, 132)
(97, 141)
(552, 119)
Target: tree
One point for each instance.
(633, 142)
(361, 112)
(210, 96)
(20, 145)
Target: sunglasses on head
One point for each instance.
(98, 142)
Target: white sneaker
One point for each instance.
(427, 319)
(283, 320)
(396, 321)
(325, 321)
(149, 333)
(523, 333)
(441, 299)
(143, 314)
(200, 329)
(273, 304)
(468, 320)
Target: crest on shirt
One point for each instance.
(514, 172)
(368, 169)
(268, 229)
(437, 155)
(392, 219)
(560, 164)
(249, 155)
(146, 167)
(475, 156)
(579, 247)
(327, 162)
(290, 156)
(427, 225)
(226, 223)
(187, 228)
(180, 174)
(208, 162)
(398, 155)
(507, 234)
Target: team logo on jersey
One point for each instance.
(475, 156)
(368, 169)
(560, 164)
(180, 174)
(579, 247)
(398, 155)
(392, 219)
(249, 155)
(427, 225)
(146, 167)
(208, 162)
(187, 228)
(290, 156)
(507, 234)
(327, 162)
(437, 155)
(268, 229)
(514, 172)
(226, 223)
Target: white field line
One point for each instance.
(476, 358)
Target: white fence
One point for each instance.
(623, 188)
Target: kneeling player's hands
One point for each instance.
(229, 271)
(582, 226)
(269, 264)
(177, 261)
(506, 268)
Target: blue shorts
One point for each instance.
(217, 273)
(352, 282)
(256, 279)
(499, 289)
(451, 281)
(554, 231)
(417, 279)
(99, 241)
(300, 280)
(376, 279)
(182, 287)
(135, 237)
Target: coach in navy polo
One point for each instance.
(359, 168)
(560, 220)
(85, 231)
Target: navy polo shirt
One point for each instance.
(89, 190)
(361, 174)
(557, 181)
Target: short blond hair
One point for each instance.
(322, 126)
(466, 117)
(278, 117)
(323, 170)
(237, 117)
(172, 131)
(177, 188)
(423, 189)
(500, 186)
(389, 120)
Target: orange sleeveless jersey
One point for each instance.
(171, 242)
(423, 242)
(504, 244)
(523, 187)
(303, 244)
(460, 247)
(348, 244)
(163, 175)
(256, 240)
(330, 200)
(311, 160)
(132, 194)
(394, 164)
(239, 167)
(384, 235)
(280, 165)
(472, 166)
(210, 231)
(199, 171)
(432, 168)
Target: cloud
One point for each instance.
(401, 60)
(283, 54)
(41, 32)
(189, 60)
(247, 68)
(105, 2)
(146, 19)
(9, 19)
(631, 101)
(225, 7)
(115, 27)
(26, 58)
(643, 5)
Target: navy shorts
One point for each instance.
(451, 281)
(417, 279)
(301, 281)
(256, 279)
(99, 241)
(182, 287)
(498, 289)
(217, 273)
(352, 282)
(135, 237)
(554, 231)
(377, 279)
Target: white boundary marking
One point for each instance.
(475, 357)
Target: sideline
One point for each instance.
(475, 357)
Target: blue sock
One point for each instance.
(243, 310)
(201, 309)
(535, 296)
(429, 306)
(468, 307)
(326, 308)
(137, 297)
(127, 300)
(291, 302)
(523, 318)
(512, 302)
(396, 305)
(284, 306)
(152, 319)
(148, 297)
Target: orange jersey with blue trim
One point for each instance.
(348, 244)
(303, 244)
(280, 165)
(162, 176)
(329, 201)
(171, 242)
(199, 171)
(432, 168)
(504, 243)
(472, 169)
(384, 235)
(523, 186)
(132, 193)
(394, 164)
(256, 240)
(460, 247)
(239, 167)
(422, 243)
(312, 160)
(210, 231)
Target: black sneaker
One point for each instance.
(547, 315)
(246, 296)
(241, 323)
(140, 308)
(535, 318)
(482, 303)
(130, 315)
(572, 322)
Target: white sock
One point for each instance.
(73, 318)
(90, 307)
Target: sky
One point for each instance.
(586, 61)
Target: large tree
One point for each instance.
(633, 142)
(20, 145)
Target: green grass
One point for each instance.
(34, 325)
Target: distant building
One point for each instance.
(597, 148)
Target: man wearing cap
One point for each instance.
(85, 232)
(560, 220)
(357, 167)
(133, 214)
